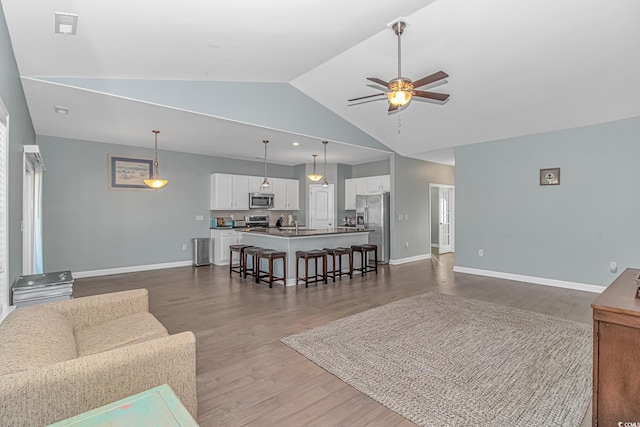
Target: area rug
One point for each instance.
(440, 360)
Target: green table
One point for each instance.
(157, 407)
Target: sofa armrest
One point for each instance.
(88, 311)
(52, 393)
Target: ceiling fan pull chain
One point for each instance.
(399, 122)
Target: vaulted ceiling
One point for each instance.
(219, 77)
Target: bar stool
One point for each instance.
(239, 268)
(268, 276)
(253, 253)
(315, 254)
(339, 252)
(364, 257)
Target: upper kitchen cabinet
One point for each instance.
(255, 185)
(377, 184)
(229, 192)
(366, 185)
(285, 194)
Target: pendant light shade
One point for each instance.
(265, 182)
(155, 181)
(314, 177)
(325, 183)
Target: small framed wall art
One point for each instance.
(550, 176)
(127, 173)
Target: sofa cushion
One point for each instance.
(35, 336)
(120, 332)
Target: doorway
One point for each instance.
(442, 217)
(321, 210)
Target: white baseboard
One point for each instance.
(409, 259)
(531, 279)
(132, 269)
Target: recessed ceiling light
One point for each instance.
(66, 23)
(295, 143)
(61, 110)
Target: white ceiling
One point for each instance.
(516, 68)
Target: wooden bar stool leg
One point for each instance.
(270, 271)
(306, 272)
(375, 258)
(324, 269)
(351, 265)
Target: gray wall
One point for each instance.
(381, 167)
(88, 227)
(20, 133)
(568, 232)
(410, 196)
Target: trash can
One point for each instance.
(201, 251)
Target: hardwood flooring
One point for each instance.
(246, 377)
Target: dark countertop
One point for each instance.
(303, 232)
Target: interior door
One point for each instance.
(444, 220)
(321, 213)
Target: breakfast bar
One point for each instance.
(291, 240)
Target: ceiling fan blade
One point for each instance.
(379, 81)
(431, 95)
(365, 97)
(392, 107)
(430, 79)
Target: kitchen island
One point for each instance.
(290, 241)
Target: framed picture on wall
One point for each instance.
(550, 176)
(126, 173)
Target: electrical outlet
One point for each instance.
(199, 218)
(399, 217)
(184, 247)
(406, 216)
(480, 252)
(406, 244)
(613, 266)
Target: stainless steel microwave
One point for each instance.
(260, 201)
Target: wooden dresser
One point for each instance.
(616, 353)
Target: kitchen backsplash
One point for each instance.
(273, 215)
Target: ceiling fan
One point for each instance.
(402, 89)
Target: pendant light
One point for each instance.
(265, 183)
(155, 181)
(325, 183)
(315, 177)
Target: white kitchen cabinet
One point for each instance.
(255, 185)
(350, 194)
(229, 192)
(376, 184)
(293, 195)
(286, 194)
(222, 239)
(366, 185)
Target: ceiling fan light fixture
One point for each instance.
(155, 181)
(314, 177)
(399, 98)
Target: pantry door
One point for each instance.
(321, 213)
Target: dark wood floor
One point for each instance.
(246, 377)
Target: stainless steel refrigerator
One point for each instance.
(373, 212)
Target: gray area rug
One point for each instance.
(440, 360)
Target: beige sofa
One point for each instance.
(64, 358)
